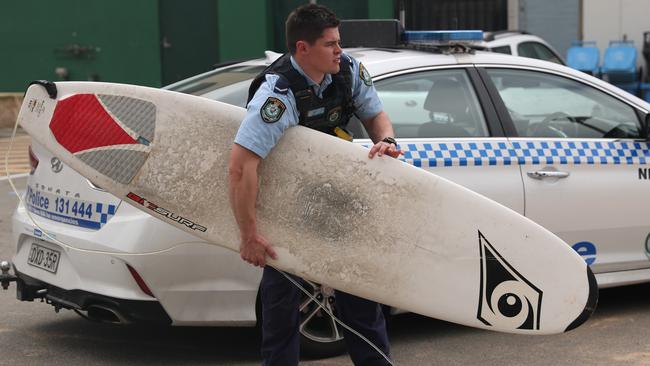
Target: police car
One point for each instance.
(565, 149)
(524, 44)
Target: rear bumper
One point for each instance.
(196, 283)
(136, 311)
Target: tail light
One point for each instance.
(138, 279)
(33, 160)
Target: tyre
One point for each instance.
(320, 335)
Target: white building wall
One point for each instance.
(513, 14)
(608, 20)
(557, 21)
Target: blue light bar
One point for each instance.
(459, 36)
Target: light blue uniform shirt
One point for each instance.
(260, 137)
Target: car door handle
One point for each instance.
(541, 174)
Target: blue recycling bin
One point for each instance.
(646, 55)
(619, 63)
(645, 91)
(584, 56)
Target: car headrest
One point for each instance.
(446, 96)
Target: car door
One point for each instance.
(445, 123)
(581, 163)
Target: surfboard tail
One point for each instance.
(590, 306)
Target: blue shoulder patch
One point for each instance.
(282, 85)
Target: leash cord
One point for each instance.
(337, 320)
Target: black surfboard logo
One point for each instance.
(506, 298)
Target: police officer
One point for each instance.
(318, 86)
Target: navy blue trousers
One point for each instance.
(280, 322)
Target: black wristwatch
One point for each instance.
(390, 140)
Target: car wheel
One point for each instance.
(320, 335)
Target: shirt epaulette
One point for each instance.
(281, 85)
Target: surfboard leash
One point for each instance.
(94, 251)
(329, 312)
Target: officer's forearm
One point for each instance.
(242, 179)
(379, 127)
(243, 196)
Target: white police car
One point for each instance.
(519, 43)
(567, 150)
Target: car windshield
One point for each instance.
(227, 85)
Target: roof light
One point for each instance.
(443, 37)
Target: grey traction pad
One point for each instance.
(138, 115)
(119, 164)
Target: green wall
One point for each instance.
(244, 29)
(189, 36)
(381, 9)
(123, 36)
(144, 42)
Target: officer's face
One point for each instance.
(325, 54)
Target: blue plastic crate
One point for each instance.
(645, 91)
(619, 63)
(584, 56)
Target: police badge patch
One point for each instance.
(334, 115)
(364, 75)
(272, 110)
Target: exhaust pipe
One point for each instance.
(106, 314)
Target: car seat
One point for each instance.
(446, 96)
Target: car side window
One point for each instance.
(538, 51)
(546, 105)
(429, 104)
(503, 49)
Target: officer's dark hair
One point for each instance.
(307, 23)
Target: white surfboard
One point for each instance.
(380, 228)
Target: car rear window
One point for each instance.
(228, 85)
(503, 49)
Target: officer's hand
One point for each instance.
(382, 148)
(254, 248)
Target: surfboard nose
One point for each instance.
(590, 306)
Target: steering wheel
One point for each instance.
(619, 131)
(544, 128)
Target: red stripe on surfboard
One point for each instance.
(80, 123)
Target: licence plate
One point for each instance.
(44, 258)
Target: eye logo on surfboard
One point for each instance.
(506, 298)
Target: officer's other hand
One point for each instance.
(382, 148)
(254, 248)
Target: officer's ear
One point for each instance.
(302, 47)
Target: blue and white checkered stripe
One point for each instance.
(105, 212)
(458, 154)
(521, 152)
